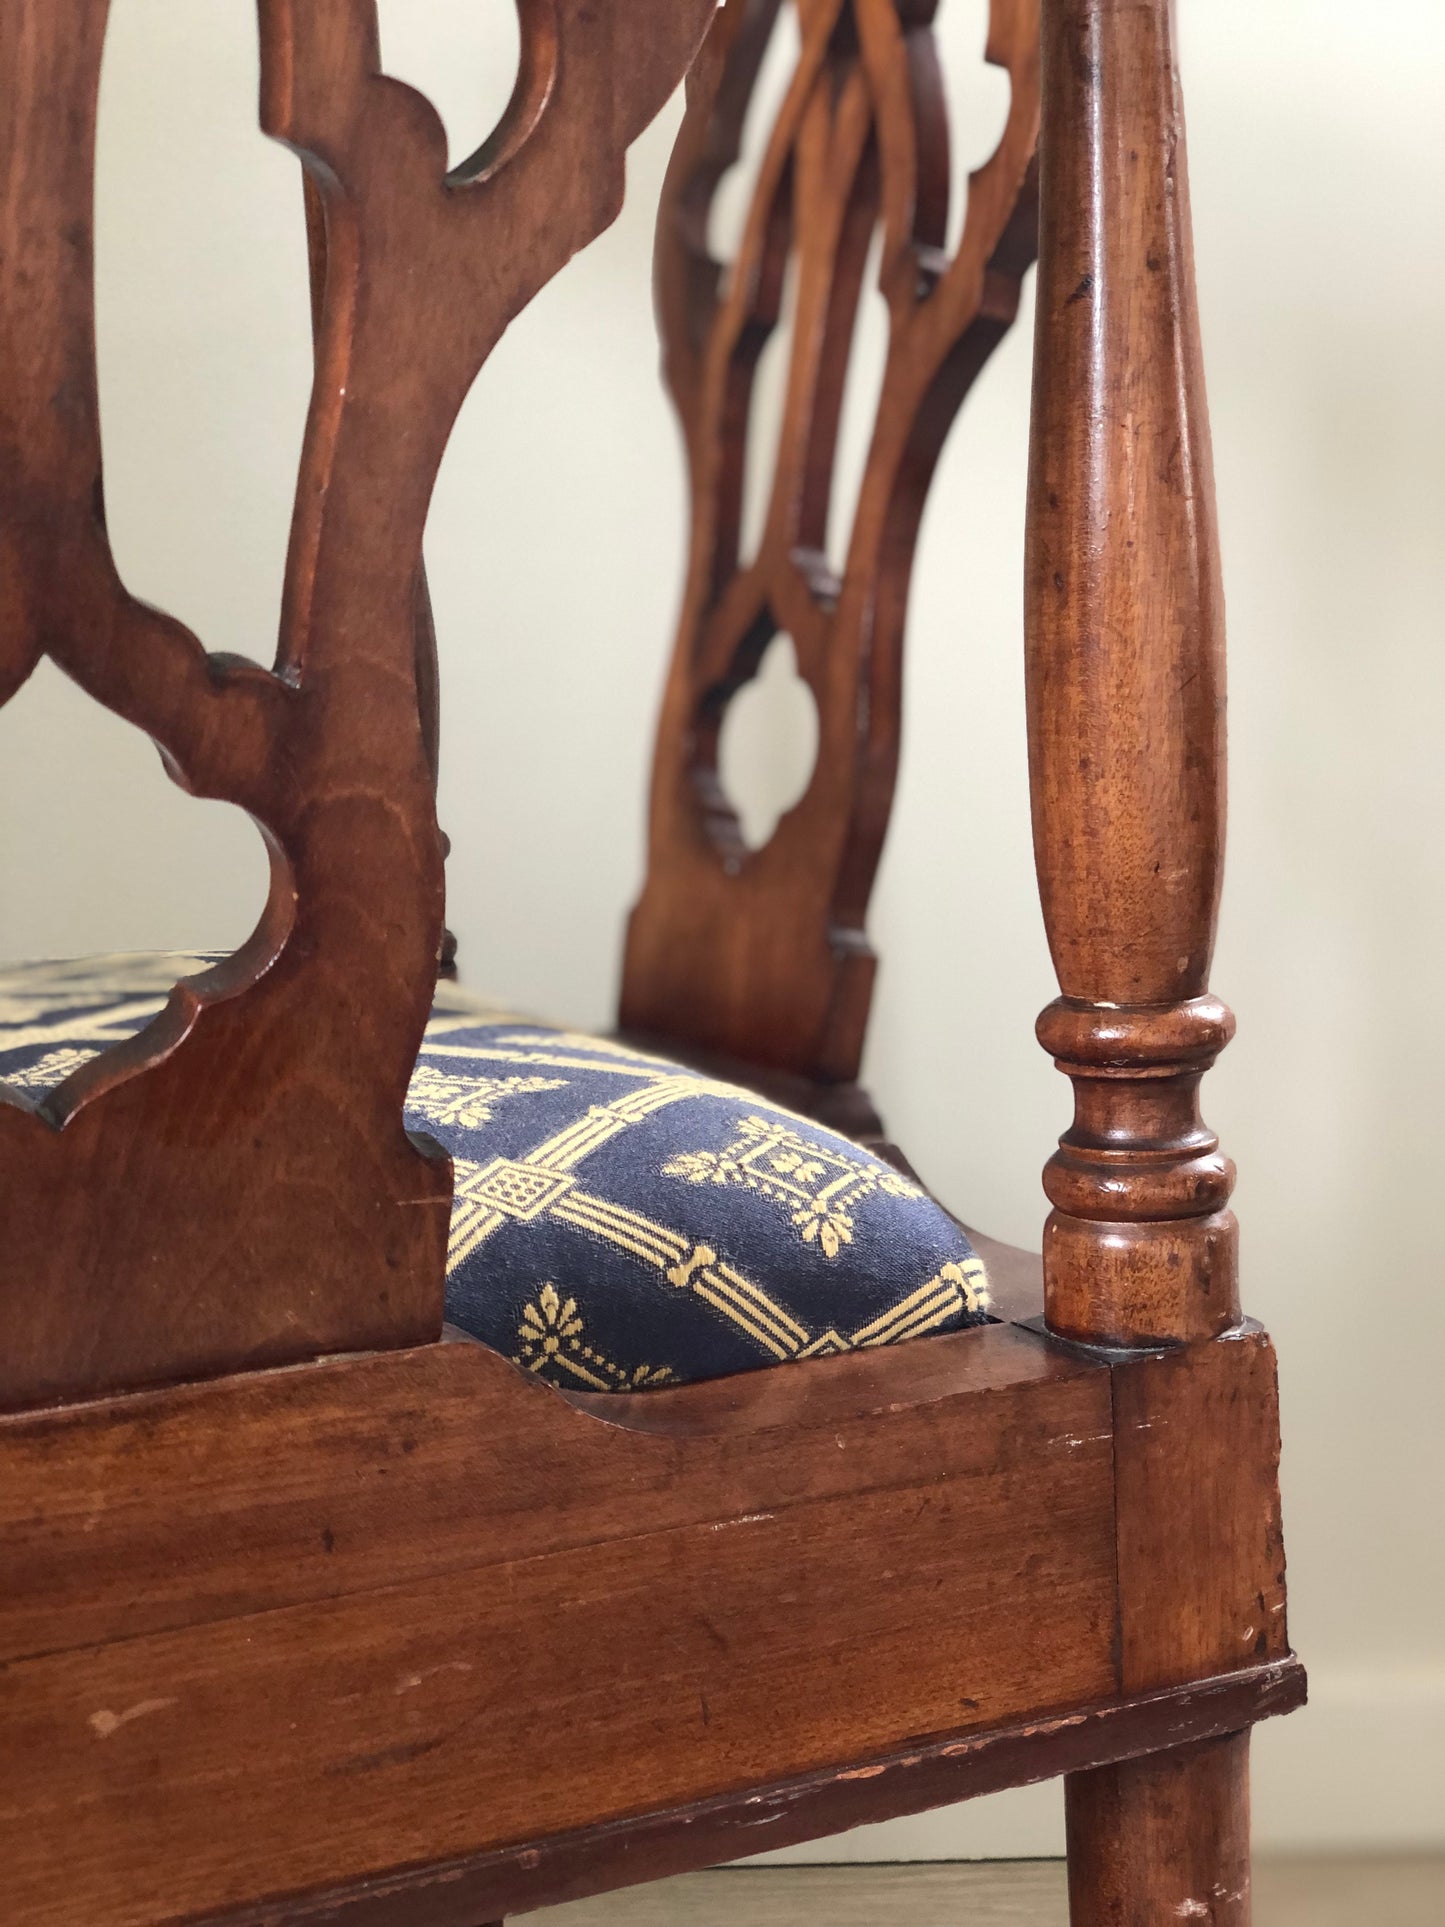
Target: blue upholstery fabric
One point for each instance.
(620, 1221)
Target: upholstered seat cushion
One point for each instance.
(620, 1221)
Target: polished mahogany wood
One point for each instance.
(1201, 1549)
(387, 1471)
(235, 1185)
(478, 1625)
(1201, 1588)
(479, 1613)
(1125, 665)
(687, 1839)
(426, 668)
(1162, 1839)
(761, 953)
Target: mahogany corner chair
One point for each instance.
(313, 1609)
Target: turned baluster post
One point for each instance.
(1125, 665)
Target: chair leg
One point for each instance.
(1162, 1841)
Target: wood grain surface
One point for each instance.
(1124, 632)
(483, 1614)
(1162, 1839)
(146, 1514)
(1201, 1548)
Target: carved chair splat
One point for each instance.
(238, 1092)
(314, 1611)
(762, 953)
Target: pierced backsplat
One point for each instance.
(761, 953)
(234, 1186)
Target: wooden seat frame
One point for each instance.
(315, 1611)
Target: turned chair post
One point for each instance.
(1125, 668)
(1125, 672)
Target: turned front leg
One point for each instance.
(1162, 1841)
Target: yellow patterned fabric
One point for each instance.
(619, 1221)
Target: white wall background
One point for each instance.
(1319, 180)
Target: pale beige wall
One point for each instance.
(554, 546)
